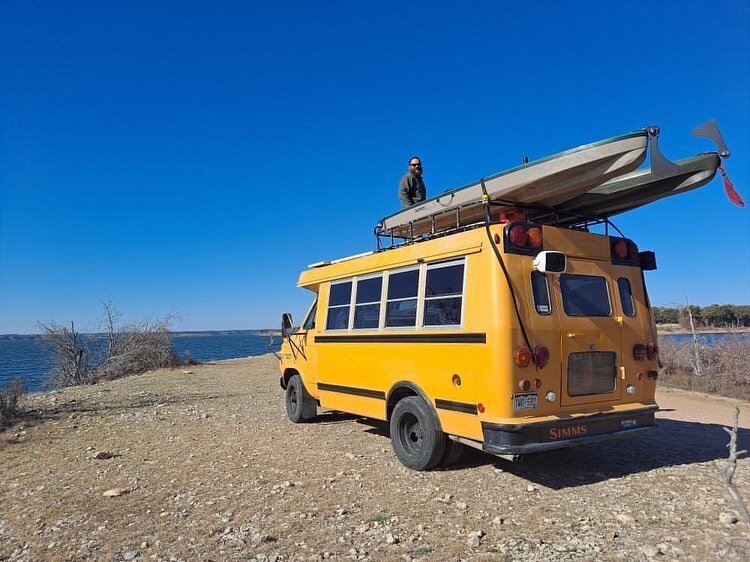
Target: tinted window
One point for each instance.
(540, 291)
(626, 296)
(403, 285)
(367, 309)
(443, 295)
(368, 290)
(585, 295)
(338, 306)
(366, 316)
(401, 313)
(341, 293)
(310, 320)
(444, 280)
(338, 318)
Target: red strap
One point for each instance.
(734, 197)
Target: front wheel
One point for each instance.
(416, 436)
(300, 406)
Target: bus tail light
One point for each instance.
(652, 351)
(522, 356)
(524, 385)
(639, 352)
(624, 251)
(653, 375)
(541, 354)
(518, 235)
(523, 238)
(620, 249)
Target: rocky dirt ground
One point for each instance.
(204, 465)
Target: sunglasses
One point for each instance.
(415, 165)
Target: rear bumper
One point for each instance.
(535, 437)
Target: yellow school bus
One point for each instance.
(513, 338)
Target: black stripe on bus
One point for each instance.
(456, 406)
(367, 393)
(404, 338)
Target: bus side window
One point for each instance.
(540, 291)
(310, 320)
(338, 306)
(626, 296)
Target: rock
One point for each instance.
(498, 520)
(390, 539)
(187, 372)
(624, 519)
(461, 505)
(662, 547)
(130, 555)
(728, 518)
(531, 488)
(650, 551)
(475, 539)
(115, 492)
(103, 455)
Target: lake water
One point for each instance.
(29, 359)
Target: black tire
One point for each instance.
(300, 406)
(453, 452)
(416, 436)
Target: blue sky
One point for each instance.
(194, 157)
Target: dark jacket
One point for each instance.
(411, 189)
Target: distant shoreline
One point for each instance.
(660, 329)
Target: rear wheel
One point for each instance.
(300, 406)
(416, 436)
(453, 452)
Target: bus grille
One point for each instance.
(591, 373)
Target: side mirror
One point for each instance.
(286, 324)
(550, 262)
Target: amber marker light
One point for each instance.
(522, 356)
(534, 236)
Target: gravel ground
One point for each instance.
(203, 465)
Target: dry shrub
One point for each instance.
(70, 363)
(720, 367)
(9, 395)
(138, 348)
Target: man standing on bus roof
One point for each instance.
(411, 188)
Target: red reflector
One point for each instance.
(524, 385)
(534, 235)
(537, 383)
(480, 408)
(620, 249)
(522, 356)
(632, 251)
(541, 354)
(517, 235)
(497, 238)
(651, 351)
(639, 352)
(640, 376)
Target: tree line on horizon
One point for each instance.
(714, 315)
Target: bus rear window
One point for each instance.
(626, 296)
(540, 290)
(585, 295)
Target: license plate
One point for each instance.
(627, 424)
(524, 401)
